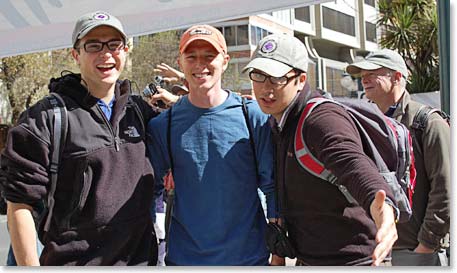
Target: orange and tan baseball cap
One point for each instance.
(206, 33)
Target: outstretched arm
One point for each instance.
(23, 235)
(384, 218)
(169, 73)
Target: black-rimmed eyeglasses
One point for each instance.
(259, 77)
(96, 46)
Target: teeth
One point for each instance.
(105, 65)
(200, 75)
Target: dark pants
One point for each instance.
(406, 257)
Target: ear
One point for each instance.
(75, 55)
(397, 77)
(226, 62)
(302, 80)
(178, 60)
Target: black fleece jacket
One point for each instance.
(105, 183)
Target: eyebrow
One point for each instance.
(97, 40)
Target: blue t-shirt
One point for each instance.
(217, 217)
(107, 109)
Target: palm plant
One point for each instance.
(411, 28)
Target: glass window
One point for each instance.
(258, 34)
(338, 21)
(370, 32)
(253, 36)
(230, 35)
(302, 14)
(370, 2)
(242, 37)
(334, 82)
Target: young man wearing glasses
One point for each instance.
(323, 227)
(217, 218)
(423, 239)
(104, 189)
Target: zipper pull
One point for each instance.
(116, 144)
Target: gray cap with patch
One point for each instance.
(89, 21)
(277, 54)
(378, 59)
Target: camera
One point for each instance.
(151, 89)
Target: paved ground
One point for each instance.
(4, 240)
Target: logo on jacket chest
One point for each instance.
(132, 132)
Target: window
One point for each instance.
(230, 35)
(242, 37)
(338, 21)
(236, 35)
(370, 2)
(334, 82)
(302, 14)
(257, 34)
(370, 32)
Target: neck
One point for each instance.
(207, 98)
(103, 92)
(388, 101)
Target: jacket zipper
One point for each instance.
(115, 137)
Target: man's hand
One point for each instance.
(423, 249)
(168, 73)
(384, 218)
(165, 96)
(277, 261)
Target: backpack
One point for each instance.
(377, 130)
(420, 121)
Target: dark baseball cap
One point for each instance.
(89, 21)
(277, 54)
(378, 59)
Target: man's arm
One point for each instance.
(23, 235)
(384, 218)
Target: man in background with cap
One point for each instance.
(420, 240)
(104, 187)
(322, 226)
(217, 218)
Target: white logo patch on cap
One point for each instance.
(200, 31)
(101, 16)
(269, 46)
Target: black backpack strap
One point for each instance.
(170, 156)
(420, 121)
(59, 133)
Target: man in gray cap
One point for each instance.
(420, 241)
(104, 185)
(322, 226)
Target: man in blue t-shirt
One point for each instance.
(217, 217)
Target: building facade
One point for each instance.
(334, 34)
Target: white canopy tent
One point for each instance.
(28, 26)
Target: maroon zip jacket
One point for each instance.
(323, 226)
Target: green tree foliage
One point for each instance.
(148, 51)
(25, 77)
(411, 28)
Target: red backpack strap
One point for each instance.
(304, 157)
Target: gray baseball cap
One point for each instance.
(89, 21)
(277, 54)
(377, 59)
